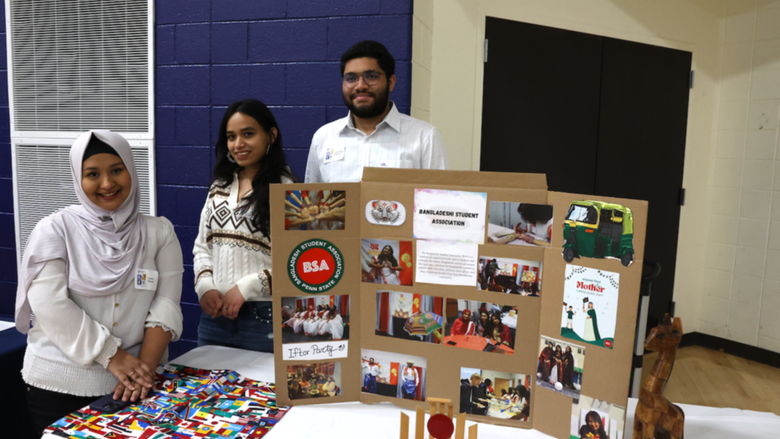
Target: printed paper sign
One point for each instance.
(446, 263)
(450, 215)
(590, 303)
(321, 350)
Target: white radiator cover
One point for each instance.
(74, 66)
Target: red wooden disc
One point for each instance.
(440, 426)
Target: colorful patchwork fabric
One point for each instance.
(188, 403)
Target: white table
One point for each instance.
(380, 421)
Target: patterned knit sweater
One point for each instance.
(229, 250)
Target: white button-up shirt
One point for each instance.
(339, 151)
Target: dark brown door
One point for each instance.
(597, 115)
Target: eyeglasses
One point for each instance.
(370, 77)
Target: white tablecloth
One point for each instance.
(380, 421)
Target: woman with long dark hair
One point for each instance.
(232, 252)
(593, 428)
(387, 266)
(499, 332)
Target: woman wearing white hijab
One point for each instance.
(99, 288)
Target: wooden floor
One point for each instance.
(706, 377)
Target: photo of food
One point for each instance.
(520, 224)
(480, 326)
(314, 210)
(394, 375)
(315, 380)
(511, 276)
(409, 316)
(495, 394)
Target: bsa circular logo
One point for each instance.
(315, 266)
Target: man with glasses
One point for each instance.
(374, 133)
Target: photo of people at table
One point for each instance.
(315, 380)
(560, 367)
(393, 375)
(480, 326)
(512, 276)
(409, 316)
(386, 262)
(592, 418)
(520, 224)
(314, 210)
(495, 394)
(315, 318)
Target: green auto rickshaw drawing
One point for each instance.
(595, 229)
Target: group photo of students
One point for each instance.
(318, 318)
(495, 394)
(315, 380)
(393, 375)
(480, 326)
(85, 261)
(560, 367)
(511, 276)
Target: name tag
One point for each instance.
(146, 280)
(334, 154)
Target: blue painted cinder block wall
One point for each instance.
(209, 53)
(283, 52)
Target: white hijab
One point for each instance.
(101, 248)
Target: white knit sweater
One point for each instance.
(229, 250)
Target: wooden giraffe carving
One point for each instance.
(656, 417)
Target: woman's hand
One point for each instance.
(133, 374)
(232, 302)
(125, 394)
(211, 303)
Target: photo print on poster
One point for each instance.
(409, 316)
(314, 380)
(445, 215)
(314, 210)
(385, 213)
(393, 375)
(500, 395)
(592, 418)
(594, 229)
(315, 327)
(481, 326)
(560, 367)
(386, 262)
(520, 224)
(513, 276)
(590, 304)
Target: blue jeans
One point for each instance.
(251, 330)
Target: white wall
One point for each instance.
(728, 264)
(740, 289)
(455, 89)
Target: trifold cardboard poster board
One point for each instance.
(407, 284)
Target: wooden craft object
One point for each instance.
(438, 407)
(656, 417)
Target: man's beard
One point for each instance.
(369, 111)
